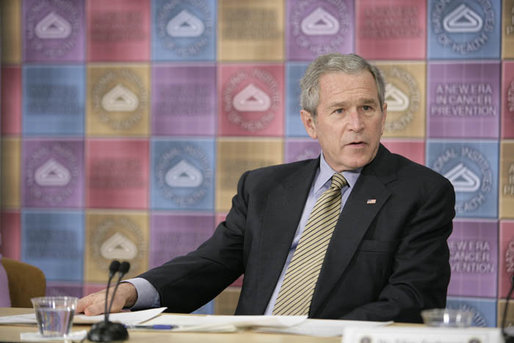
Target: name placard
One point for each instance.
(394, 334)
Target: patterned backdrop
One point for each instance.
(127, 123)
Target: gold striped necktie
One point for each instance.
(295, 295)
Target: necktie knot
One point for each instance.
(338, 181)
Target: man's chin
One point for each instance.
(357, 163)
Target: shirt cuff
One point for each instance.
(147, 295)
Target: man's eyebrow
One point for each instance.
(367, 101)
(338, 104)
(363, 101)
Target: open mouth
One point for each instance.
(357, 144)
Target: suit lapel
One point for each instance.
(283, 212)
(365, 201)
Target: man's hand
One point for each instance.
(94, 304)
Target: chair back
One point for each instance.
(25, 281)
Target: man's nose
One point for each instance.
(355, 119)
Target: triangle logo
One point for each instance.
(320, 22)
(52, 173)
(118, 246)
(396, 100)
(120, 99)
(53, 26)
(184, 174)
(251, 99)
(463, 179)
(462, 19)
(185, 24)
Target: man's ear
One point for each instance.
(309, 122)
(384, 116)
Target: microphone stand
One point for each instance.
(107, 331)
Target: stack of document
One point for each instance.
(152, 320)
(217, 323)
(127, 318)
(299, 325)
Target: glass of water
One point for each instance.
(54, 315)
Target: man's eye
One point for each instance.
(339, 111)
(367, 108)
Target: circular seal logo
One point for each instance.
(251, 99)
(470, 174)
(52, 27)
(117, 237)
(184, 175)
(403, 98)
(184, 27)
(52, 173)
(119, 99)
(463, 27)
(319, 27)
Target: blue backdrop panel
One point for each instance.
(54, 242)
(53, 99)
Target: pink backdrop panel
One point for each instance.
(117, 173)
(251, 100)
(413, 150)
(11, 100)
(118, 30)
(10, 232)
(391, 29)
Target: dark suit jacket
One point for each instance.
(388, 258)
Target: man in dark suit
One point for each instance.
(387, 258)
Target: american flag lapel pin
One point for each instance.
(371, 201)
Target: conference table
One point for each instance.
(11, 333)
(414, 333)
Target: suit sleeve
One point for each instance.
(421, 270)
(188, 282)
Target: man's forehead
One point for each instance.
(361, 85)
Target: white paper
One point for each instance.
(323, 327)
(218, 323)
(29, 318)
(422, 334)
(127, 318)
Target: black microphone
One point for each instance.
(106, 331)
(508, 336)
(123, 269)
(113, 269)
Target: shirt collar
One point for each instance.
(326, 172)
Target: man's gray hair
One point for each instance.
(335, 62)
